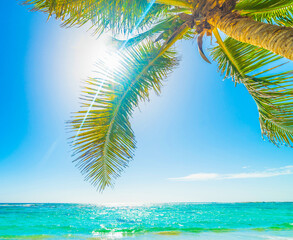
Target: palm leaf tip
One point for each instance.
(104, 142)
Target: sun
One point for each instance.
(90, 50)
(70, 59)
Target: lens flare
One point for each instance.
(112, 61)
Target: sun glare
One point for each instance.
(90, 50)
(111, 59)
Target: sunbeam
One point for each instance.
(110, 60)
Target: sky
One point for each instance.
(199, 141)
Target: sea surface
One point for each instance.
(174, 221)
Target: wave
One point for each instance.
(157, 230)
(176, 231)
(279, 227)
(160, 231)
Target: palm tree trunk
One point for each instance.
(271, 37)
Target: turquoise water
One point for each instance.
(158, 221)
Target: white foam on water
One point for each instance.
(277, 238)
(110, 235)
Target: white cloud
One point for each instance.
(215, 176)
(245, 167)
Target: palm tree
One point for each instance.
(259, 37)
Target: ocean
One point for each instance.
(174, 221)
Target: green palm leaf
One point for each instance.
(162, 26)
(119, 16)
(105, 142)
(160, 31)
(271, 91)
(270, 11)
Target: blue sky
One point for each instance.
(199, 141)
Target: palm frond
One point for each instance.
(160, 31)
(272, 92)
(162, 26)
(105, 143)
(269, 11)
(118, 16)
